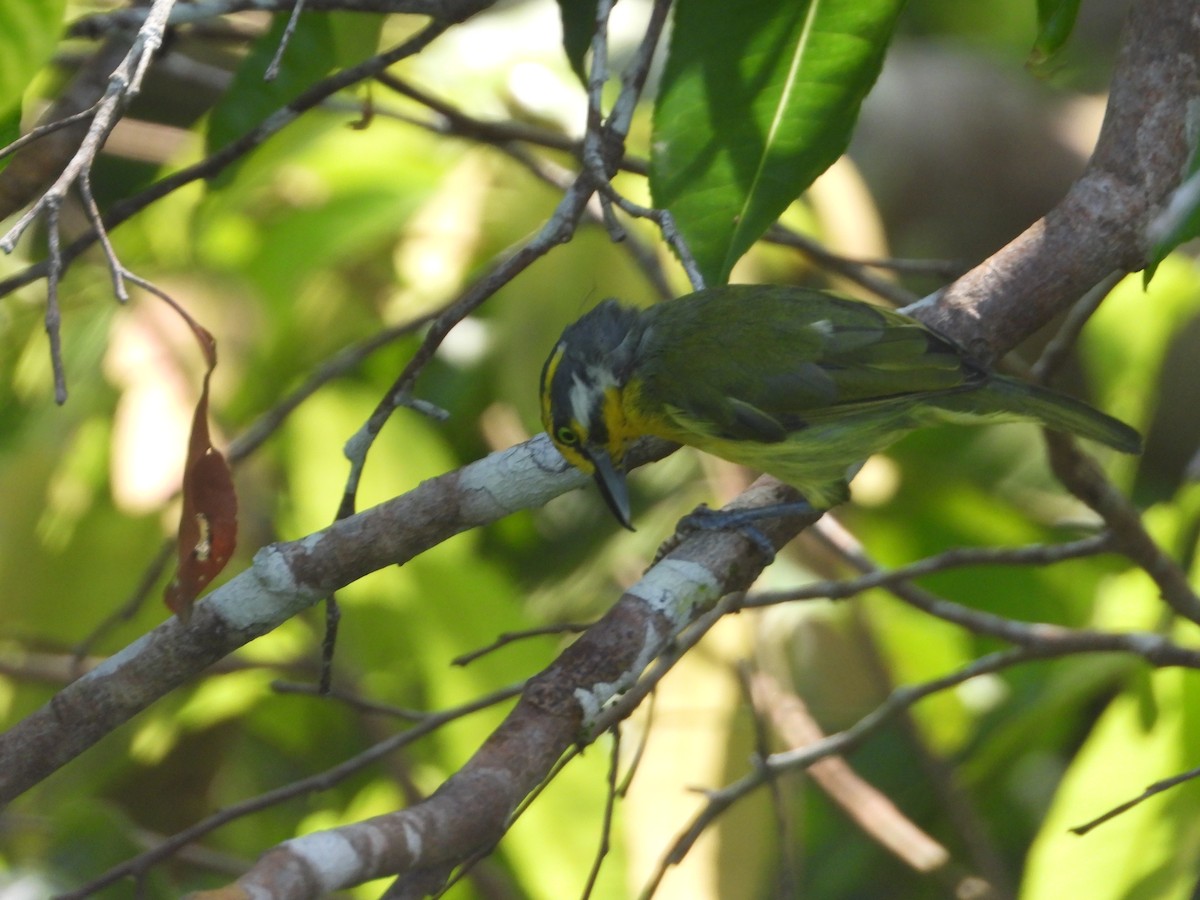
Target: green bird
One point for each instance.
(798, 383)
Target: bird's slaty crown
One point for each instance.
(594, 354)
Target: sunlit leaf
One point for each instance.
(1126, 340)
(1140, 853)
(1056, 19)
(28, 34)
(757, 100)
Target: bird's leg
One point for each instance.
(704, 518)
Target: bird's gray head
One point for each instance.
(582, 384)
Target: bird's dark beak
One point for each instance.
(612, 486)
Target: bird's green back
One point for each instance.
(759, 361)
(805, 385)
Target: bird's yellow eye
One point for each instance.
(566, 436)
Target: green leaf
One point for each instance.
(1056, 18)
(578, 25)
(321, 42)
(1180, 219)
(28, 34)
(1126, 341)
(10, 130)
(1147, 851)
(757, 100)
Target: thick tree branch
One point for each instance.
(1102, 224)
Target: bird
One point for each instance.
(800, 383)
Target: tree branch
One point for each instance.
(1102, 224)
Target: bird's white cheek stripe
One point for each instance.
(581, 400)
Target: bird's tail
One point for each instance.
(1020, 399)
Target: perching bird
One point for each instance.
(798, 383)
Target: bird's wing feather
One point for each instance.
(815, 356)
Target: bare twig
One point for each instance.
(869, 808)
(352, 700)
(1037, 637)
(288, 30)
(602, 153)
(1153, 790)
(1084, 478)
(118, 20)
(507, 138)
(557, 230)
(235, 150)
(1029, 555)
(717, 802)
(510, 637)
(1055, 352)
(752, 684)
(857, 271)
(610, 803)
(123, 85)
(48, 128)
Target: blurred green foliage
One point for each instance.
(329, 233)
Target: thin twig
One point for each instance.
(961, 557)
(123, 85)
(1157, 788)
(1083, 477)
(1055, 352)
(640, 752)
(350, 699)
(217, 162)
(856, 271)
(509, 637)
(841, 743)
(42, 131)
(53, 314)
(99, 24)
(602, 151)
(288, 30)
(1040, 637)
(610, 803)
(761, 709)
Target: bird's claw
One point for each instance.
(703, 518)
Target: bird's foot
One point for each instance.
(703, 518)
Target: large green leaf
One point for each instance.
(10, 130)
(757, 100)
(320, 43)
(578, 24)
(1056, 18)
(28, 34)
(1148, 852)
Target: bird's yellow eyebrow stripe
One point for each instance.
(547, 380)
